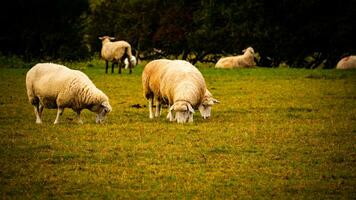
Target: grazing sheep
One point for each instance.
(55, 86)
(348, 62)
(176, 83)
(241, 61)
(133, 62)
(115, 52)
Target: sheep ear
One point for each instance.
(100, 38)
(106, 106)
(171, 108)
(215, 100)
(111, 38)
(190, 108)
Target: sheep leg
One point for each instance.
(112, 67)
(59, 113)
(119, 65)
(78, 117)
(150, 104)
(107, 66)
(158, 108)
(38, 113)
(170, 115)
(130, 65)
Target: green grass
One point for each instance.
(277, 133)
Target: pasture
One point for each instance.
(277, 133)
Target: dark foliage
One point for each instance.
(199, 30)
(43, 29)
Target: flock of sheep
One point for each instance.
(175, 83)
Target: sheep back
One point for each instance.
(56, 85)
(151, 76)
(241, 61)
(182, 81)
(114, 51)
(348, 62)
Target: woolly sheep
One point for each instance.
(133, 62)
(176, 83)
(348, 62)
(55, 86)
(240, 61)
(115, 52)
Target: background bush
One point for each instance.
(280, 30)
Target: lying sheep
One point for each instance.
(55, 86)
(133, 62)
(115, 52)
(348, 62)
(241, 61)
(178, 84)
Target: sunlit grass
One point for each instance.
(277, 133)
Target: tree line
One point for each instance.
(197, 30)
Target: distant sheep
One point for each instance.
(55, 86)
(348, 62)
(115, 52)
(133, 62)
(241, 61)
(176, 83)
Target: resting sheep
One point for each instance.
(178, 84)
(348, 62)
(133, 62)
(241, 61)
(115, 52)
(55, 86)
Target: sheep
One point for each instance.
(115, 52)
(176, 83)
(348, 62)
(241, 61)
(55, 86)
(133, 62)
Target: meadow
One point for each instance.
(277, 133)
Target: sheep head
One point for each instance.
(205, 106)
(249, 50)
(183, 112)
(101, 111)
(105, 39)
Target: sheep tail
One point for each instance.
(128, 53)
(31, 96)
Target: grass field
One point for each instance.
(277, 133)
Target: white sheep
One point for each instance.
(176, 83)
(115, 52)
(240, 61)
(348, 62)
(133, 62)
(55, 86)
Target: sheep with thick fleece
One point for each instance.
(348, 62)
(133, 62)
(176, 83)
(241, 61)
(55, 86)
(115, 52)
